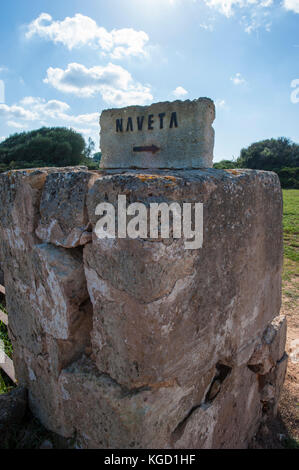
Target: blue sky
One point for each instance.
(62, 62)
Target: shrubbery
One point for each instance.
(48, 146)
(289, 177)
(279, 155)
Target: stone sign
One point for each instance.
(164, 135)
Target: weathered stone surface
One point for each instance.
(276, 336)
(277, 379)
(272, 347)
(1, 276)
(20, 196)
(46, 295)
(12, 408)
(175, 134)
(64, 220)
(149, 296)
(37, 374)
(53, 300)
(50, 323)
(124, 418)
(140, 343)
(271, 386)
(229, 422)
(20, 193)
(59, 290)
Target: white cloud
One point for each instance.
(137, 95)
(291, 5)
(180, 92)
(207, 27)
(220, 103)
(237, 79)
(16, 112)
(113, 82)
(41, 107)
(80, 30)
(253, 24)
(86, 82)
(224, 6)
(227, 7)
(266, 3)
(35, 112)
(128, 42)
(91, 119)
(86, 131)
(17, 125)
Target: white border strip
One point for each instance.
(8, 368)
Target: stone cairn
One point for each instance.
(141, 343)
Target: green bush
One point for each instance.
(280, 155)
(289, 177)
(225, 165)
(53, 146)
(270, 154)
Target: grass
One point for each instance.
(290, 291)
(290, 278)
(291, 225)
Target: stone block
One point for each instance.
(229, 422)
(59, 289)
(142, 343)
(122, 417)
(271, 348)
(175, 134)
(149, 295)
(63, 216)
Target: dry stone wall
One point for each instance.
(141, 343)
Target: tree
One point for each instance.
(48, 146)
(270, 154)
(89, 148)
(97, 156)
(289, 177)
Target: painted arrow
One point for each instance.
(149, 148)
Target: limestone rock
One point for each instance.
(123, 418)
(1, 277)
(46, 295)
(53, 299)
(63, 216)
(149, 296)
(141, 343)
(272, 347)
(275, 336)
(271, 386)
(60, 289)
(163, 135)
(229, 422)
